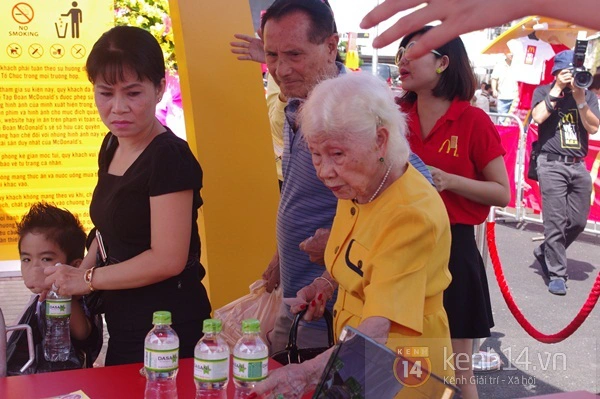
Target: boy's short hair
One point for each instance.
(58, 225)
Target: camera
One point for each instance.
(581, 76)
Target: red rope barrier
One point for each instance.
(563, 334)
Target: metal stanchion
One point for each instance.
(483, 361)
(3, 331)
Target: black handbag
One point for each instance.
(533, 156)
(292, 354)
(94, 301)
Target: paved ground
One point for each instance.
(532, 368)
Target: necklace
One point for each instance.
(382, 183)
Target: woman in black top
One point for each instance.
(145, 204)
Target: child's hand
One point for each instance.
(34, 279)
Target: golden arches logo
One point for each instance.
(450, 144)
(568, 118)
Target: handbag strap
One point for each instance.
(293, 338)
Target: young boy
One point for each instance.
(47, 236)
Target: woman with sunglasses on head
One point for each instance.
(463, 150)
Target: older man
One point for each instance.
(300, 43)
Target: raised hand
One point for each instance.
(250, 48)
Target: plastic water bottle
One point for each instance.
(161, 358)
(211, 362)
(250, 357)
(57, 340)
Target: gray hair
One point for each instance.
(353, 105)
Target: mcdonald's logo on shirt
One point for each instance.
(568, 118)
(450, 144)
(530, 55)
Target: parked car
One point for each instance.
(388, 72)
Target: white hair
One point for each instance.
(353, 105)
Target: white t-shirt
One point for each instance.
(529, 57)
(508, 88)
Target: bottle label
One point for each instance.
(211, 370)
(58, 307)
(161, 360)
(250, 369)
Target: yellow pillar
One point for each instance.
(227, 128)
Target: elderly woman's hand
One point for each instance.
(68, 280)
(291, 381)
(315, 246)
(314, 297)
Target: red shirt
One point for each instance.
(462, 142)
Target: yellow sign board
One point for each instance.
(50, 132)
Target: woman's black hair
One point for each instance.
(126, 47)
(457, 80)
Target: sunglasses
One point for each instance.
(403, 50)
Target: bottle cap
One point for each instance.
(250, 325)
(212, 326)
(161, 317)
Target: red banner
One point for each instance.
(531, 192)
(510, 142)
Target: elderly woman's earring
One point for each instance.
(381, 159)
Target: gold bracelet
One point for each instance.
(87, 277)
(328, 282)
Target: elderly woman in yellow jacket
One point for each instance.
(390, 241)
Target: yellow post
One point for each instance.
(227, 127)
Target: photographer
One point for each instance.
(566, 114)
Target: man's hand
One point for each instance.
(315, 246)
(249, 49)
(564, 79)
(271, 275)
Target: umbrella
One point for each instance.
(556, 32)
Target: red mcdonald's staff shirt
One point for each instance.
(462, 142)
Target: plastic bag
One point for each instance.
(258, 304)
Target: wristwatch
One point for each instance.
(580, 106)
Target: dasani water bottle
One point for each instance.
(161, 358)
(250, 357)
(57, 339)
(211, 362)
